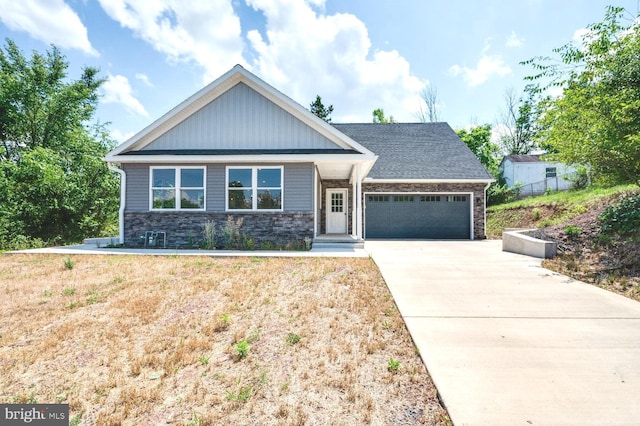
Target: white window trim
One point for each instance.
(254, 188)
(178, 188)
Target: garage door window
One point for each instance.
(429, 198)
(378, 198)
(403, 198)
(456, 198)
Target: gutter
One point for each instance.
(123, 198)
(485, 208)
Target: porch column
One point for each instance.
(354, 222)
(358, 196)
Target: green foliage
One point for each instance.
(68, 263)
(203, 359)
(231, 233)
(623, 217)
(318, 109)
(69, 291)
(242, 349)
(54, 185)
(536, 213)
(292, 338)
(393, 365)
(478, 139)
(378, 117)
(580, 179)
(596, 121)
(572, 231)
(519, 120)
(243, 395)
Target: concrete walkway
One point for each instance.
(510, 343)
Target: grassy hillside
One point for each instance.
(573, 220)
(547, 210)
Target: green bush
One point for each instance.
(572, 231)
(622, 218)
(500, 194)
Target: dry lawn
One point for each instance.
(182, 340)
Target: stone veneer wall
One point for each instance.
(184, 229)
(479, 231)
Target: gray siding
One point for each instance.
(298, 187)
(216, 191)
(241, 117)
(137, 187)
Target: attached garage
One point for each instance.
(419, 216)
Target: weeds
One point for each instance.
(68, 263)
(293, 338)
(210, 237)
(242, 349)
(393, 365)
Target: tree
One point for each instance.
(318, 108)
(478, 139)
(596, 120)
(430, 98)
(378, 117)
(518, 122)
(51, 156)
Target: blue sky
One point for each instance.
(357, 54)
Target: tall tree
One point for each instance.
(478, 139)
(379, 117)
(51, 154)
(596, 120)
(518, 122)
(318, 108)
(429, 112)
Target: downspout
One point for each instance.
(485, 209)
(123, 198)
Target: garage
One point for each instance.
(419, 216)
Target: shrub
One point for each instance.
(622, 218)
(209, 231)
(572, 231)
(535, 213)
(580, 179)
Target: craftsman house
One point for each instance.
(241, 149)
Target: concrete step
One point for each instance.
(346, 245)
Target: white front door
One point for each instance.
(336, 211)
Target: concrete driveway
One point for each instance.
(510, 343)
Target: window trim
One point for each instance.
(551, 172)
(178, 188)
(254, 188)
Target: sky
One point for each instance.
(358, 55)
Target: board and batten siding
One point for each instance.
(241, 117)
(298, 187)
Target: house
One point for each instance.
(535, 176)
(241, 149)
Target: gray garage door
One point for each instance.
(441, 216)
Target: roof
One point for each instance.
(523, 158)
(416, 151)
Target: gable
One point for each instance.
(241, 118)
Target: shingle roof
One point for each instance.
(416, 151)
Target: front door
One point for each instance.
(336, 211)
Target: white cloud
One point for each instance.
(50, 21)
(305, 53)
(205, 32)
(120, 136)
(145, 79)
(513, 40)
(487, 67)
(117, 90)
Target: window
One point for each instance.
(456, 198)
(378, 198)
(429, 198)
(170, 184)
(551, 172)
(254, 188)
(403, 198)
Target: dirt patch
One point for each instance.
(148, 340)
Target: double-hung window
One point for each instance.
(177, 188)
(254, 188)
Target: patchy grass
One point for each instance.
(148, 340)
